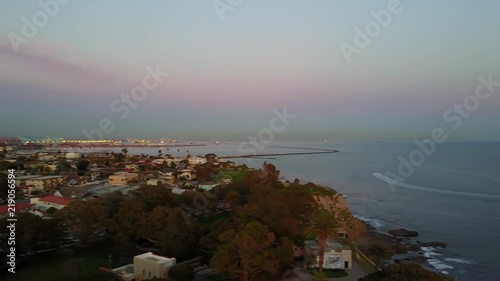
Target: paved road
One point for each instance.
(357, 271)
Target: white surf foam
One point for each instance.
(458, 260)
(373, 222)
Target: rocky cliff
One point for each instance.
(337, 205)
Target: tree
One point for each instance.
(251, 253)
(125, 151)
(82, 164)
(85, 217)
(119, 157)
(181, 272)
(269, 174)
(322, 226)
(51, 210)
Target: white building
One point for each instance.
(47, 202)
(155, 182)
(336, 256)
(72, 155)
(196, 160)
(146, 266)
(187, 174)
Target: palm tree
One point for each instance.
(125, 151)
(322, 226)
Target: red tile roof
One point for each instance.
(5, 208)
(56, 200)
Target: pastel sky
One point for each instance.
(227, 76)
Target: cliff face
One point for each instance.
(337, 205)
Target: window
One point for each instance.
(143, 273)
(150, 274)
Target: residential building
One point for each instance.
(196, 160)
(207, 185)
(186, 174)
(168, 176)
(47, 202)
(39, 183)
(19, 208)
(146, 266)
(157, 182)
(73, 155)
(122, 178)
(336, 256)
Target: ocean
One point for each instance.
(452, 196)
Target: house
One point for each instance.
(47, 202)
(196, 160)
(40, 183)
(122, 178)
(168, 176)
(336, 256)
(132, 167)
(157, 182)
(46, 157)
(178, 191)
(341, 234)
(207, 185)
(19, 207)
(66, 193)
(186, 174)
(73, 155)
(146, 266)
(227, 179)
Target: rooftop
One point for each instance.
(56, 200)
(312, 246)
(4, 209)
(156, 259)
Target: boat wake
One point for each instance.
(394, 182)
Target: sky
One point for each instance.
(230, 69)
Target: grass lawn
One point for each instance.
(236, 175)
(49, 266)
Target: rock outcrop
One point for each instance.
(403, 233)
